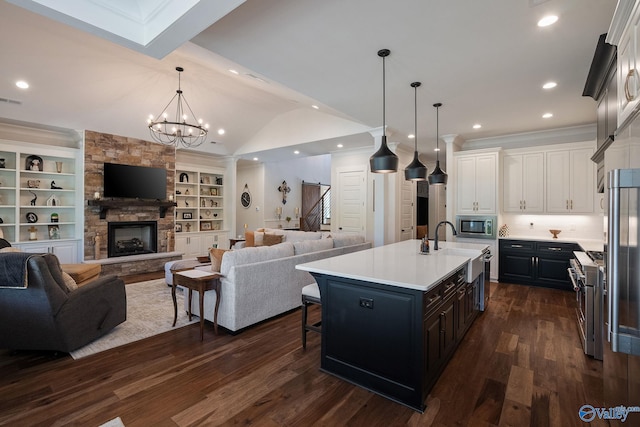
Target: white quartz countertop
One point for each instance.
(585, 244)
(398, 264)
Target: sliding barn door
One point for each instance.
(311, 209)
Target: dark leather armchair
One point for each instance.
(39, 312)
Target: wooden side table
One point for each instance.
(200, 281)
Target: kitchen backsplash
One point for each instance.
(572, 226)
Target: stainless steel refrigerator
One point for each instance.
(621, 361)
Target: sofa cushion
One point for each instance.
(299, 236)
(346, 239)
(307, 246)
(253, 255)
(215, 255)
(272, 239)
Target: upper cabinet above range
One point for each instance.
(624, 33)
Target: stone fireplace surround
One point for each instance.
(103, 148)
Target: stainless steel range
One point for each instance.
(587, 275)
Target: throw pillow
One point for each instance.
(249, 239)
(258, 238)
(216, 258)
(70, 284)
(272, 239)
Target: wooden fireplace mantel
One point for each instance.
(106, 204)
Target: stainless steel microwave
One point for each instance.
(481, 227)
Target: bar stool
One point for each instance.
(310, 295)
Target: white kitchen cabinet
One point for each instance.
(625, 34)
(523, 183)
(476, 183)
(627, 76)
(65, 251)
(570, 181)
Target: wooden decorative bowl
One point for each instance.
(203, 259)
(555, 233)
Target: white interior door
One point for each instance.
(350, 206)
(407, 210)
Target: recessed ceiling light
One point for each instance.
(255, 159)
(315, 107)
(232, 71)
(549, 85)
(411, 136)
(339, 145)
(22, 84)
(477, 126)
(296, 152)
(547, 20)
(547, 115)
(221, 131)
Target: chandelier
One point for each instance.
(176, 130)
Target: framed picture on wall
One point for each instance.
(205, 226)
(178, 228)
(187, 215)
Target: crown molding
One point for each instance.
(530, 139)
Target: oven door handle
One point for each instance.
(574, 279)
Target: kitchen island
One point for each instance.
(392, 317)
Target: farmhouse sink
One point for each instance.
(475, 265)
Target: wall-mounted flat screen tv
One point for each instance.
(134, 182)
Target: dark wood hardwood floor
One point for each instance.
(520, 364)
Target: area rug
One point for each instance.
(149, 313)
(116, 422)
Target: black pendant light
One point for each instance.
(416, 171)
(384, 160)
(438, 176)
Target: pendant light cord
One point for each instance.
(437, 134)
(384, 101)
(415, 117)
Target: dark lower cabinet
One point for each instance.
(536, 263)
(391, 340)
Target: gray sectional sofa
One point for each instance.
(262, 282)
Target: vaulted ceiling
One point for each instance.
(106, 65)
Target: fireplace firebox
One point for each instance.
(132, 238)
